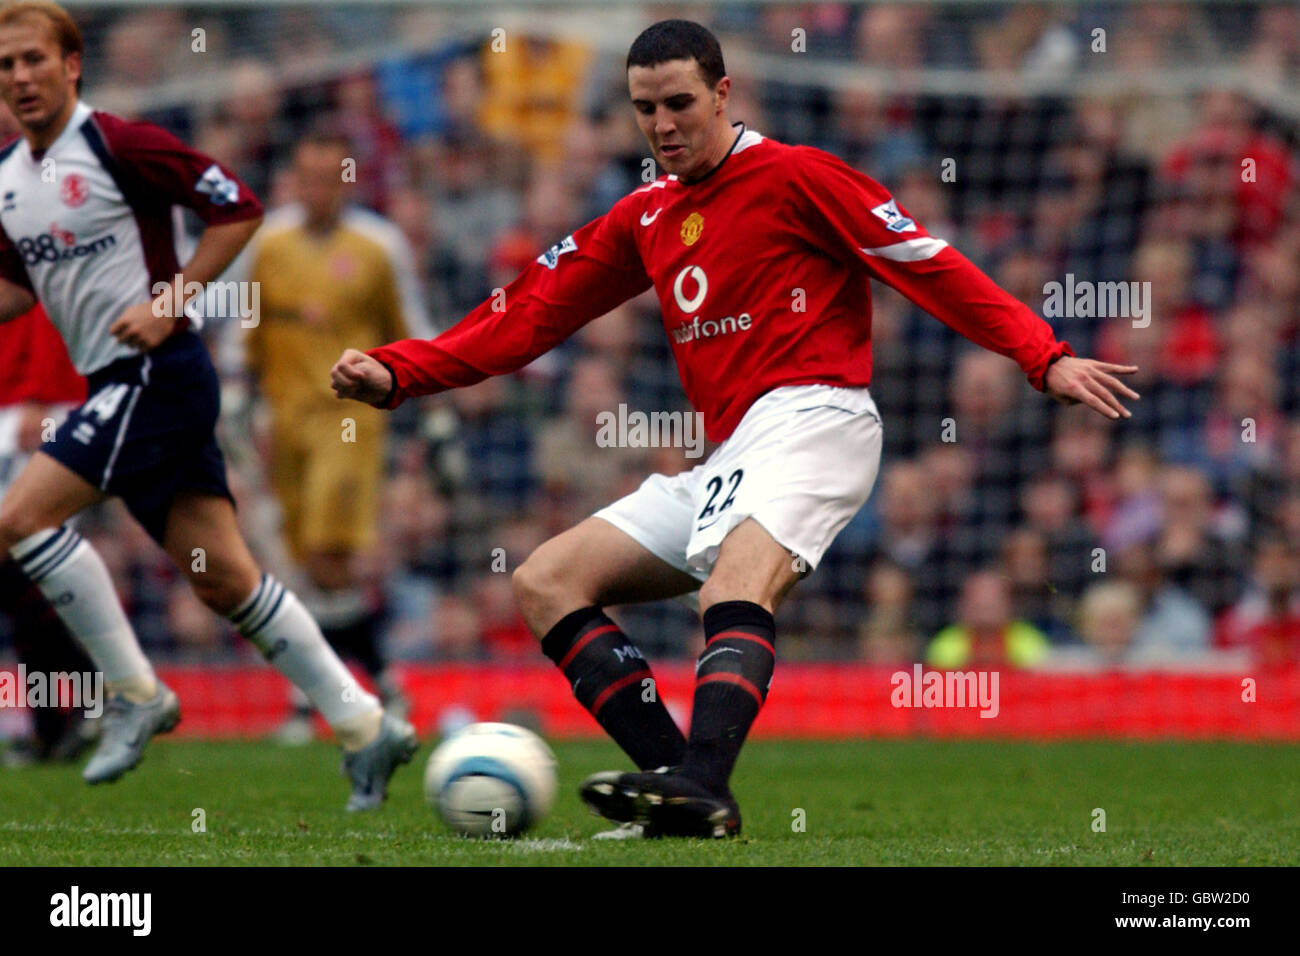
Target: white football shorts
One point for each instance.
(12, 460)
(801, 463)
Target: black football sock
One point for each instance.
(608, 676)
(42, 644)
(732, 676)
(359, 640)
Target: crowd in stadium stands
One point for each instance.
(1004, 529)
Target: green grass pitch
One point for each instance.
(914, 802)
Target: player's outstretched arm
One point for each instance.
(1072, 380)
(856, 219)
(579, 279)
(358, 376)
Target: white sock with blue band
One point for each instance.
(279, 626)
(72, 577)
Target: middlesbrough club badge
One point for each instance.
(74, 190)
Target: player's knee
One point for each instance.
(18, 523)
(529, 582)
(211, 591)
(711, 592)
(542, 585)
(10, 533)
(223, 590)
(717, 590)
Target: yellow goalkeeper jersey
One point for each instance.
(320, 294)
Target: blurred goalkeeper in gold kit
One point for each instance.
(329, 275)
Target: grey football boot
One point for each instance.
(125, 728)
(370, 767)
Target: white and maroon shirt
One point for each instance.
(761, 269)
(87, 224)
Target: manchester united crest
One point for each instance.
(692, 226)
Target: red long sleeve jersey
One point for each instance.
(762, 271)
(34, 363)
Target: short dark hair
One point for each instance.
(327, 133)
(679, 40)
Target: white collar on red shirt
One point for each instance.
(746, 139)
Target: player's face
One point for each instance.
(318, 181)
(36, 80)
(681, 117)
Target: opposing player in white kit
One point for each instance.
(85, 226)
(760, 254)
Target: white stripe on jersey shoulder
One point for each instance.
(911, 250)
(657, 184)
(747, 139)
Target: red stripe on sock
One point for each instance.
(733, 679)
(583, 641)
(615, 687)
(741, 635)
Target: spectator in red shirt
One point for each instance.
(1267, 619)
(1227, 154)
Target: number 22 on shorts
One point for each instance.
(714, 487)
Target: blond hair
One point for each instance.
(61, 23)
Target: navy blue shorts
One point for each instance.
(147, 431)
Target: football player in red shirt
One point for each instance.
(38, 385)
(760, 254)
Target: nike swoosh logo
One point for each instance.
(647, 219)
(720, 650)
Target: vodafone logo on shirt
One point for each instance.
(701, 282)
(694, 277)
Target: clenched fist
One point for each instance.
(356, 375)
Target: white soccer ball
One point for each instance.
(491, 780)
